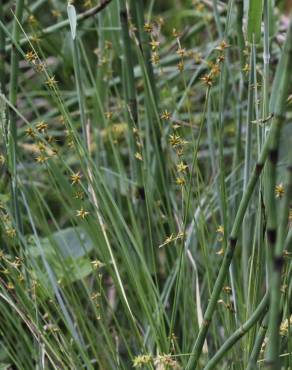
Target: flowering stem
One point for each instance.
(2, 52)
(129, 88)
(258, 344)
(13, 88)
(79, 88)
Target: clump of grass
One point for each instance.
(146, 194)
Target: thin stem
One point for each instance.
(79, 88)
(276, 235)
(239, 333)
(2, 52)
(230, 249)
(254, 177)
(239, 30)
(130, 88)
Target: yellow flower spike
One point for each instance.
(222, 46)
(42, 126)
(175, 33)
(165, 361)
(40, 67)
(215, 70)
(82, 213)
(175, 140)
(207, 79)
(87, 4)
(284, 327)
(148, 27)
(279, 190)
(41, 158)
(75, 178)
(181, 167)
(56, 13)
(51, 82)
(79, 195)
(172, 238)
(30, 132)
(220, 252)
(35, 39)
(139, 156)
(108, 115)
(180, 181)
(41, 146)
(227, 290)
(180, 66)
(32, 20)
(165, 115)
(220, 230)
(10, 286)
(246, 68)
(31, 56)
(221, 58)
(10, 232)
(96, 264)
(20, 278)
(141, 360)
(154, 44)
(181, 52)
(155, 59)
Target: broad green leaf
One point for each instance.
(255, 12)
(66, 252)
(69, 243)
